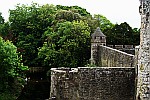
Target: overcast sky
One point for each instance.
(117, 11)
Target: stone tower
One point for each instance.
(97, 38)
(143, 90)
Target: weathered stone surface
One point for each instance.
(109, 57)
(93, 84)
(64, 84)
(107, 83)
(97, 38)
(125, 48)
(143, 91)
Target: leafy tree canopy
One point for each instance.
(28, 23)
(67, 46)
(103, 22)
(11, 68)
(75, 9)
(123, 34)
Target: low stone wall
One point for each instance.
(100, 83)
(111, 57)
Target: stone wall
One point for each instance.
(121, 47)
(143, 91)
(64, 84)
(93, 83)
(125, 48)
(114, 58)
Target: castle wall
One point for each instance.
(130, 49)
(109, 57)
(100, 83)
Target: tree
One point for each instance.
(28, 24)
(68, 46)
(103, 22)
(11, 68)
(122, 34)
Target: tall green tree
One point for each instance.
(28, 23)
(68, 46)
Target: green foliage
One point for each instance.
(32, 27)
(1, 19)
(4, 27)
(122, 34)
(103, 22)
(75, 9)
(11, 68)
(5, 31)
(136, 36)
(28, 23)
(7, 96)
(10, 62)
(64, 15)
(68, 46)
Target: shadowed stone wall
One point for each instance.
(93, 84)
(109, 57)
